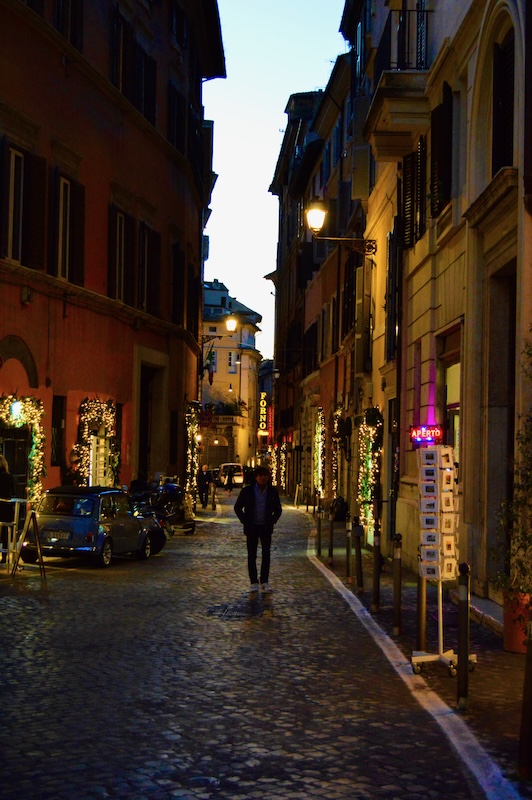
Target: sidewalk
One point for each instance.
(495, 686)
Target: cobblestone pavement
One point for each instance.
(165, 679)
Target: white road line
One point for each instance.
(490, 778)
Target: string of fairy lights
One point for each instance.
(18, 412)
(93, 415)
(369, 453)
(192, 426)
(319, 452)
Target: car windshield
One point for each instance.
(67, 506)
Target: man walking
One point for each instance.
(204, 484)
(258, 508)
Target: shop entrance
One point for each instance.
(15, 445)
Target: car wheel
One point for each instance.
(29, 556)
(107, 553)
(145, 551)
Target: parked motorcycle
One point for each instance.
(164, 502)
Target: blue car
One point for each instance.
(93, 521)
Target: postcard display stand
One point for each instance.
(438, 548)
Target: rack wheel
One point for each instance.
(416, 668)
(471, 666)
(452, 670)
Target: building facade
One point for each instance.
(230, 379)
(105, 182)
(425, 153)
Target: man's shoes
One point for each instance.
(254, 588)
(266, 587)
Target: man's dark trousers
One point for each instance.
(259, 533)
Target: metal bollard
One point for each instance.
(318, 539)
(376, 602)
(524, 760)
(331, 537)
(348, 531)
(214, 497)
(463, 638)
(397, 571)
(358, 533)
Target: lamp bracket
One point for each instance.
(367, 247)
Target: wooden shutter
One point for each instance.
(34, 212)
(178, 285)
(408, 199)
(130, 240)
(4, 196)
(77, 233)
(363, 319)
(153, 289)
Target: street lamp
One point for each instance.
(316, 214)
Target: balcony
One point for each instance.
(400, 111)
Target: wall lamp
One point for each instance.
(316, 214)
(230, 324)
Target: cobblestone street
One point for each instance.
(165, 679)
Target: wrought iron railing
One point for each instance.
(404, 42)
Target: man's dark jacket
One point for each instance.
(245, 507)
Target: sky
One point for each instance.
(273, 48)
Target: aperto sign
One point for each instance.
(426, 434)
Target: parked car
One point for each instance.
(93, 521)
(236, 470)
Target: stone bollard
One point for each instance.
(397, 572)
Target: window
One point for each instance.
(68, 237)
(503, 104)
(177, 118)
(69, 21)
(121, 266)
(179, 25)
(22, 206)
(232, 361)
(134, 71)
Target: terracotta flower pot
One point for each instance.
(516, 613)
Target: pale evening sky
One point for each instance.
(272, 49)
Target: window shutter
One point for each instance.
(178, 285)
(441, 131)
(76, 24)
(153, 289)
(4, 196)
(420, 184)
(130, 238)
(34, 212)
(53, 239)
(150, 89)
(408, 200)
(363, 319)
(77, 234)
(111, 254)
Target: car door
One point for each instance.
(127, 523)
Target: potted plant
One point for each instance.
(515, 535)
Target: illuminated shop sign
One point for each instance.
(264, 415)
(431, 434)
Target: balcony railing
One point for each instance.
(404, 43)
